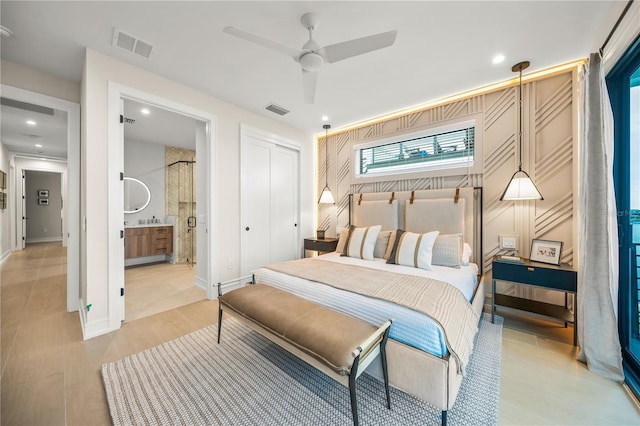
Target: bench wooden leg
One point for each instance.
(219, 323)
(385, 372)
(352, 390)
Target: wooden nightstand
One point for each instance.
(321, 245)
(560, 278)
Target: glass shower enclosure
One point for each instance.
(181, 203)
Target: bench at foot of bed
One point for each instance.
(336, 344)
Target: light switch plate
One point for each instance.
(509, 242)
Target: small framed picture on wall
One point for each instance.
(43, 201)
(3, 200)
(43, 193)
(546, 251)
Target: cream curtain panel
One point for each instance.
(598, 262)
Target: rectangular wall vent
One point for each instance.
(131, 44)
(26, 106)
(277, 109)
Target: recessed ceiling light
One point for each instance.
(38, 145)
(31, 122)
(145, 111)
(498, 59)
(325, 118)
(5, 32)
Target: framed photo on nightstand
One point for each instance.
(546, 251)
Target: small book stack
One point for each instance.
(510, 259)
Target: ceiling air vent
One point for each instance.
(26, 106)
(277, 109)
(131, 44)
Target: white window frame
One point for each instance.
(428, 169)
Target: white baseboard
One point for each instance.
(201, 283)
(43, 240)
(94, 329)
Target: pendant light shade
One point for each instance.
(326, 197)
(520, 187)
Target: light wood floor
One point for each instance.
(51, 376)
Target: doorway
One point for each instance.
(42, 201)
(160, 150)
(65, 159)
(206, 193)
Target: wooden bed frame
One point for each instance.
(433, 379)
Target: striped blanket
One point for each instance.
(442, 302)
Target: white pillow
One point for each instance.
(414, 250)
(466, 254)
(361, 242)
(447, 250)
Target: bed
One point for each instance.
(423, 358)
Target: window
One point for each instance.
(449, 148)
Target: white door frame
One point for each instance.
(245, 132)
(72, 204)
(115, 159)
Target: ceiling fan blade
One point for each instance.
(309, 80)
(347, 49)
(269, 44)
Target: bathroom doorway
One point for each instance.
(160, 151)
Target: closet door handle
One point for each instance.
(246, 229)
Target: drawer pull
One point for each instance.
(530, 269)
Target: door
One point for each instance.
(624, 89)
(270, 201)
(24, 210)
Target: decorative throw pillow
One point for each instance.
(412, 249)
(342, 239)
(382, 242)
(466, 254)
(361, 242)
(392, 243)
(447, 250)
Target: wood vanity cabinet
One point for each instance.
(148, 241)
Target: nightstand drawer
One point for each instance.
(548, 276)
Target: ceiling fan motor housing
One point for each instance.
(311, 61)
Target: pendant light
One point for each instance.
(520, 187)
(326, 197)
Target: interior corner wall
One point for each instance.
(99, 70)
(549, 141)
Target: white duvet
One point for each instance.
(409, 326)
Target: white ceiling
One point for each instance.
(159, 126)
(442, 47)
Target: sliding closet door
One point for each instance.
(270, 200)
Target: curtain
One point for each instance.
(597, 221)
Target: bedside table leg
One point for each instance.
(493, 299)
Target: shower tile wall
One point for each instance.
(180, 188)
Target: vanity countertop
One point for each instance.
(147, 225)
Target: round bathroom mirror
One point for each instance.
(136, 195)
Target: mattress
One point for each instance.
(409, 327)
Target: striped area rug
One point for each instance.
(247, 380)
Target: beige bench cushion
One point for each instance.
(326, 335)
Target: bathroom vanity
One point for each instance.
(148, 240)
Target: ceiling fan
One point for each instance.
(311, 57)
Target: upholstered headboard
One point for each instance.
(457, 210)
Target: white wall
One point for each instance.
(5, 223)
(99, 70)
(44, 221)
(17, 75)
(146, 161)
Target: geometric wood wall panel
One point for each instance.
(548, 150)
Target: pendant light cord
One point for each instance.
(326, 154)
(520, 120)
